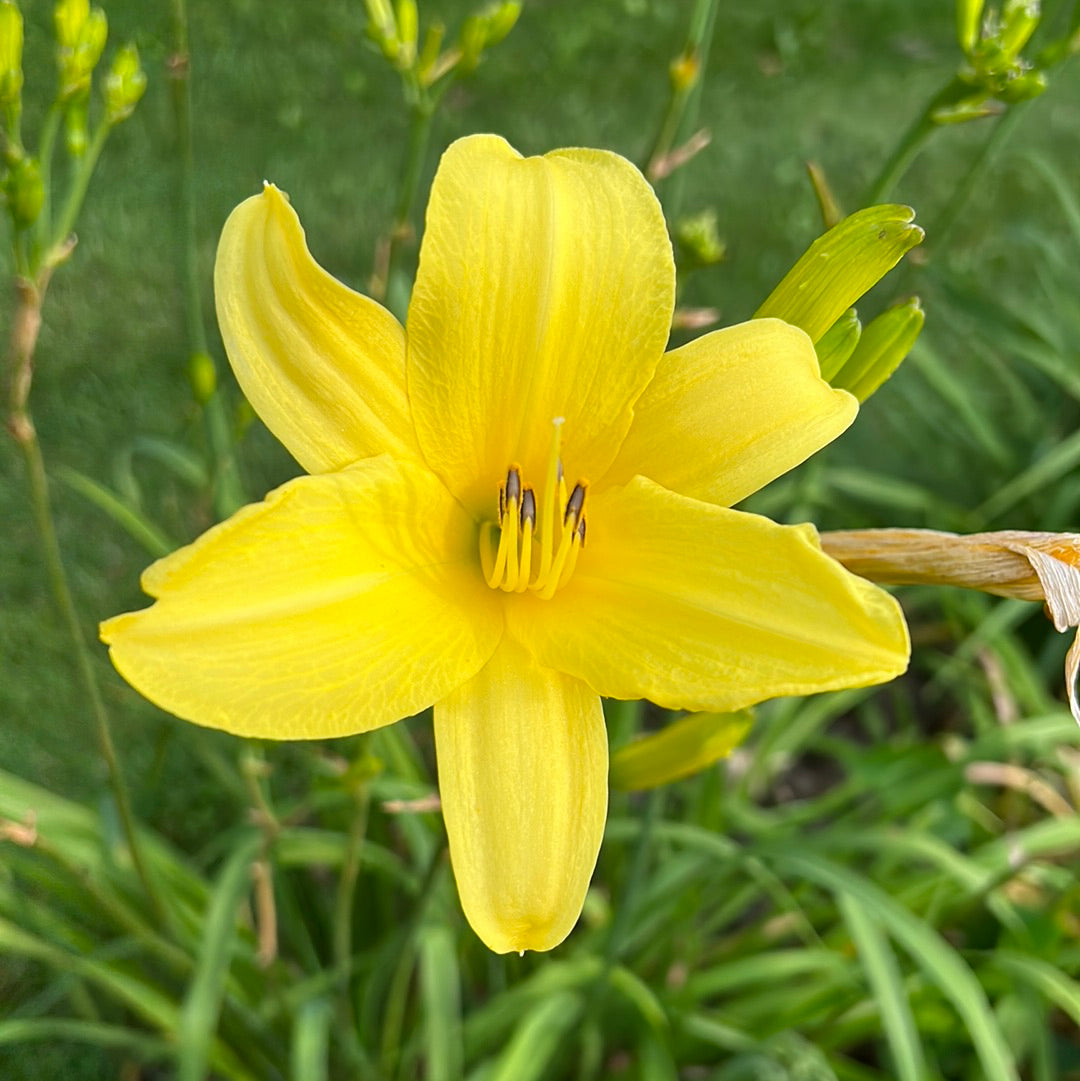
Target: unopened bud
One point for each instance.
(699, 241)
(124, 85)
(25, 192)
(680, 749)
(880, 349)
(202, 375)
(499, 21)
(836, 345)
(81, 33)
(11, 46)
(1019, 19)
(972, 108)
(408, 30)
(840, 266)
(471, 42)
(1023, 88)
(968, 18)
(684, 70)
(429, 54)
(382, 27)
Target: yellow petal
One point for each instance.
(340, 603)
(699, 607)
(324, 367)
(522, 754)
(731, 411)
(545, 289)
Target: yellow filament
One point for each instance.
(526, 556)
(510, 537)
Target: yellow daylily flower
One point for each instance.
(437, 555)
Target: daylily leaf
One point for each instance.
(842, 265)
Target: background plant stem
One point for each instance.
(26, 326)
(228, 493)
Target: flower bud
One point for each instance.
(682, 748)
(684, 71)
(698, 241)
(1023, 88)
(408, 30)
(202, 375)
(25, 192)
(81, 32)
(840, 266)
(1019, 19)
(498, 22)
(124, 85)
(968, 17)
(382, 27)
(429, 54)
(471, 42)
(880, 349)
(836, 345)
(11, 45)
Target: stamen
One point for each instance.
(574, 504)
(528, 507)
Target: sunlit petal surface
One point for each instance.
(338, 604)
(699, 607)
(522, 755)
(731, 411)
(324, 367)
(545, 290)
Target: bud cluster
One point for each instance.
(81, 32)
(395, 29)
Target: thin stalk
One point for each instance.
(228, 492)
(77, 191)
(46, 148)
(346, 891)
(909, 146)
(421, 113)
(21, 426)
(681, 114)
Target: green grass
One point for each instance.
(840, 901)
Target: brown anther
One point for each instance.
(513, 485)
(581, 532)
(574, 504)
(528, 507)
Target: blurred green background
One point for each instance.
(975, 431)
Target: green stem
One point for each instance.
(909, 145)
(681, 115)
(350, 873)
(631, 891)
(401, 232)
(20, 424)
(77, 192)
(46, 148)
(228, 490)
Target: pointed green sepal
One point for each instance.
(682, 748)
(883, 345)
(840, 266)
(836, 345)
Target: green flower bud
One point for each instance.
(974, 107)
(471, 42)
(429, 54)
(968, 17)
(382, 27)
(81, 33)
(698, 240)
(202, 375)
(1019, 18)
(408, 30)
(25, 192)
(840, 266)
(883, 345)
(835, 346)
(1023, 88)
(124, 85)
(499, 22)
(11, 46)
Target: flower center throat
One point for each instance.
(535, 543)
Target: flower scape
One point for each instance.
(517, 504)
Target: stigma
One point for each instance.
(535, 543)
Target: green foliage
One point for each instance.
(871, 887)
